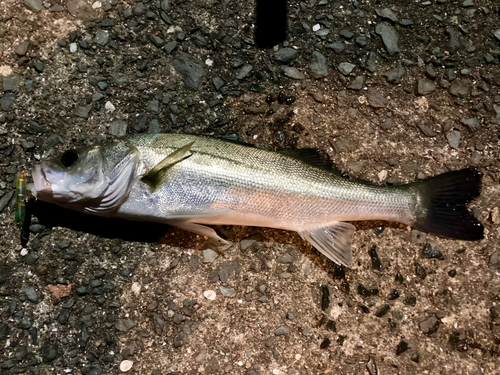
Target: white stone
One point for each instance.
(73, 47)
(96, 5)
(136, 288)
(316, 27)
(210, 294)
(126, 365)
(109, 106)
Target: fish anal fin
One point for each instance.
(155, 177)
(334, 241)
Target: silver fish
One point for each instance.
(188, 181)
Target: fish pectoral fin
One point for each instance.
(198, 229)
(155, 177)
(333, 241)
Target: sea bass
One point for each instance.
(188, 181)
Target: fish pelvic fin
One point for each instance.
(442, 207)
(155, 178)
(198, 229)
(333, 241)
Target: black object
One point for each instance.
(271, 23)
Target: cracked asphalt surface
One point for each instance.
(390, 91)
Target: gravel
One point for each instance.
(390, 92)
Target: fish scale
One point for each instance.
(259, 182)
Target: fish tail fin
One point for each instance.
(443, 205)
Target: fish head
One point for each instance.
(94, 178)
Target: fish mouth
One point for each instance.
(40, 182)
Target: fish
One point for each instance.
(190, 181)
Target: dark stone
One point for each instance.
(367, 291)
(460, 88)
(228, 270)
(429, 325)
(158, 323)
(458, 341)
(170, 46)
(319, 68)
(11, 82)
(244, 72)
(192, 70)
(124, 325)
(430, 252)
(64, 316)
(399, 278)
(375, 99)
(139, 123)
(410, 300)
(346, 34)
(283, 330)
(402, 347)
(420, 271)
(218, 83)
(494, 261)
(93, 369)
(285, 55)
(452, 273)
(107, 22)
(337, 47)
(7, 100)
(494, 313)
(362, 40)
(82, 111)
(180, 339)
(376, 263)
(357, 84)
(394, 75)
(425, 87)
(427, 130)
(49, 352)
(431, 72)
(325, 297)
(325, 343)
(394, 294)
(389, 37)
(331, 326)
(31, 294)
(199, 40)
(26, 322)
(156, 40)
(4, 331)
(384, 309)
(39, 66)
(471, 123)
(194, 263)
(22, 48)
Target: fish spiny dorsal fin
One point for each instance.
(311, 156)
(154, 178)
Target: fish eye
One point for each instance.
(69, 157)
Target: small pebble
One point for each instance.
(126, 365)
(210, 295)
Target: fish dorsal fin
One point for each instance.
(154, 178)
(310, 156)
(333, 241)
